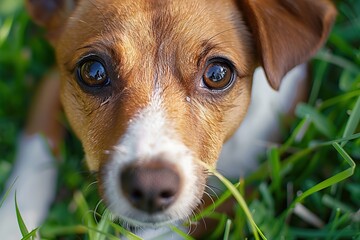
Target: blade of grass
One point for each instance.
(241, 201)
(266, 195)
(7, 193)
(342, 220)
(336, 204)
(123, 231)
(24, 231)
(343, 45)
(337, 60)
(208, 210)
(104, 235)
(181, 233)
(240, 222)
(275, 169)
(338, 99)
(5, 30)
(30, 235)
(353, 121)
(330, 181)
(227, 229)
(289, 163)
(84, 211)
(302, 233)
(103, 226)
(320, 72)
(334, 224)
(293, 136)
(261, 173)
(339, 140)
(219, 230)
(346, 157)
(320, 121)
(347, 79)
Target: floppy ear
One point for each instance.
(287, 32)
(51, 14)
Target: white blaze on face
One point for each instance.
(150, 136)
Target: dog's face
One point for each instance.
(154, 88)
(173, 89)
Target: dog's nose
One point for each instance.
(152, 186)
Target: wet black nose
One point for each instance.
(152, 186)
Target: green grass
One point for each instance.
(314, 169)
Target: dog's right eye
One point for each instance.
(219, 74)
(92, 73)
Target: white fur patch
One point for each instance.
(149, 135)
(34, 178)
(240, 154)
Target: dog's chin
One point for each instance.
(147, 222)
(135, 219)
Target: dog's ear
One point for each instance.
(287, 32)
(51, 14)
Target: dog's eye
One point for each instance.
(93, 73)
(218, 75)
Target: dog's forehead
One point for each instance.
(137, 29)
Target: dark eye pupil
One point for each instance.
(94, 70)
(216, 73)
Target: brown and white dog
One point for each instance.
(154, 88)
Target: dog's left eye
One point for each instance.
(92, 73)
(218, 75)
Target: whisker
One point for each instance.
(190, 231)
(95, 213)
(215, 187)
(209, 188)
(211, 198)
(105, 102)
(113, 98)
(91, 184)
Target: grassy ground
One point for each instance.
(315, 168)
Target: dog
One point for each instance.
(153, 90)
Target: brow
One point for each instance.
(207, 48)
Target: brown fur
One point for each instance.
(144, 62)
(306, 25)
(150, 44)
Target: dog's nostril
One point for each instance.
(136, 195)
(167, 194)
(151, 187)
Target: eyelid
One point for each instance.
(90, 56)
(220, 58)
(72, 65)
